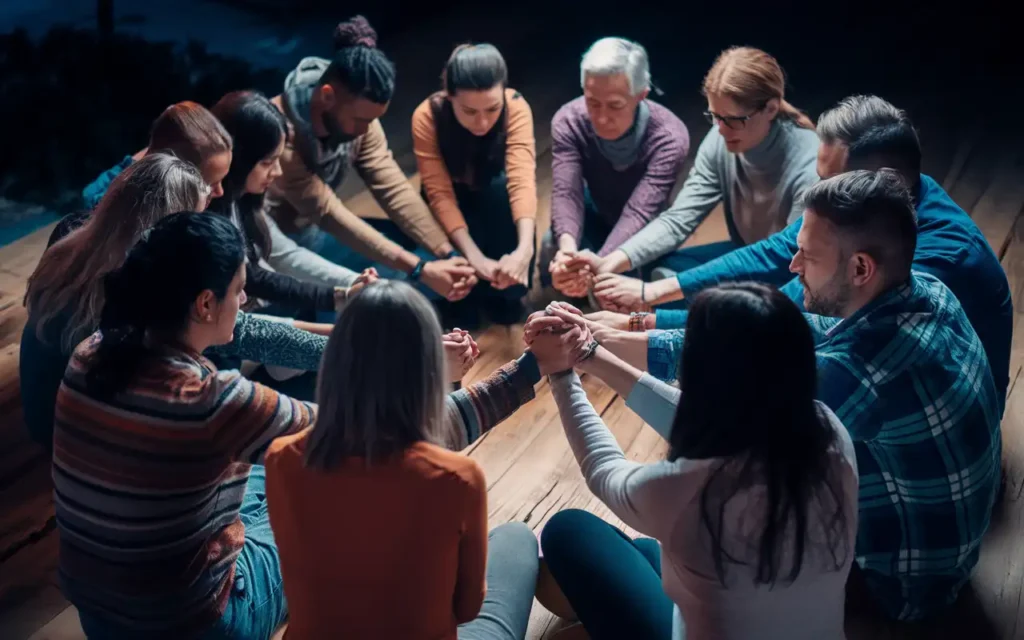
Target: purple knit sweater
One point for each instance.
(626, 199)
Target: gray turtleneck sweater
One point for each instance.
(760, 189)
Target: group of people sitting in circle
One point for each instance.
(830, 381)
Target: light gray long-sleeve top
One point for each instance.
(662, 500)
(761, 191)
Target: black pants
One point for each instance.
(612, 582)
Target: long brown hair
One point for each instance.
(382, 379)
(189, 131)
(69, 277)
(751, 78)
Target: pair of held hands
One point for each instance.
(575, 273)
(510, 270)
(560, 337)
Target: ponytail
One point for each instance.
(149, 300)
(794, 115)
(122, 345)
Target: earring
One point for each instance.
(209, 317)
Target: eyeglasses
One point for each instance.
(733, 122)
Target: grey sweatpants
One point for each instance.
(511, 581)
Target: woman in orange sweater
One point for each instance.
(381, 531)
(476, 154)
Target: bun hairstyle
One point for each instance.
(358, 65)
(153, 292)
(356, 32)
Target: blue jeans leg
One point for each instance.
(327, 246)
(511, 581)
(257, 604)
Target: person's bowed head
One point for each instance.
(559, 337)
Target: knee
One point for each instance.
(564, 530)
(518, 536)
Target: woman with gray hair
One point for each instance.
(381, 530)
(616, 155)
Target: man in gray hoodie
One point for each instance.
(333, 109)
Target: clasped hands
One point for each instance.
(559, 337)
(460, 352)
(574, 273)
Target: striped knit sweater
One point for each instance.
(148, 487)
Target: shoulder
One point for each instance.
(423, 115)
(286, 449)
(463, 470)
(570, 113)
(802, 147)
(664, 119)
(517, 105)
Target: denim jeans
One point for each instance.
(511, 581)
(256, 606)
(327, 246)
(612, 582)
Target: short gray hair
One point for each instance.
(611, 56)
(382, 380)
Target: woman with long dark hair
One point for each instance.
(157, 479)
(755, 508)
(306, 281)
(476, 153)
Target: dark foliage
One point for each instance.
(72, 106)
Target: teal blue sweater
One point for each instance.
(949, 246)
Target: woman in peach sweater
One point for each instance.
(381, 530)
(476, 154)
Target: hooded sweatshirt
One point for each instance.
(314, 168)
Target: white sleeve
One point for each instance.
(287, 257)
(655, 402)
(641, 495)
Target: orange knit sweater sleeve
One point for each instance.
(471, 584)
(437, 182)
(521, 157)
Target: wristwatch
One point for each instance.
(417, 271)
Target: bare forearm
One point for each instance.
(615, 262)
(319, 328)
(629, 347)
(662, 291)
(612, 370)
(466, 244)
(566, 243)
(526, 228)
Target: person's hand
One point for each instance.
(556, 344)
(512, 269)
(343, 294)
(620, 293)
(610, 319)
(461, 352)
(452, 278)
(573, 282)
(484, 267)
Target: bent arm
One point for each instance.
(699, 195)
(289, 258)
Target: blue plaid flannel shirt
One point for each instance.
(908, 377)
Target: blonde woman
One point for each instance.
(382, 531)
(757, 160)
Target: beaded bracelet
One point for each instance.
(636, 321)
